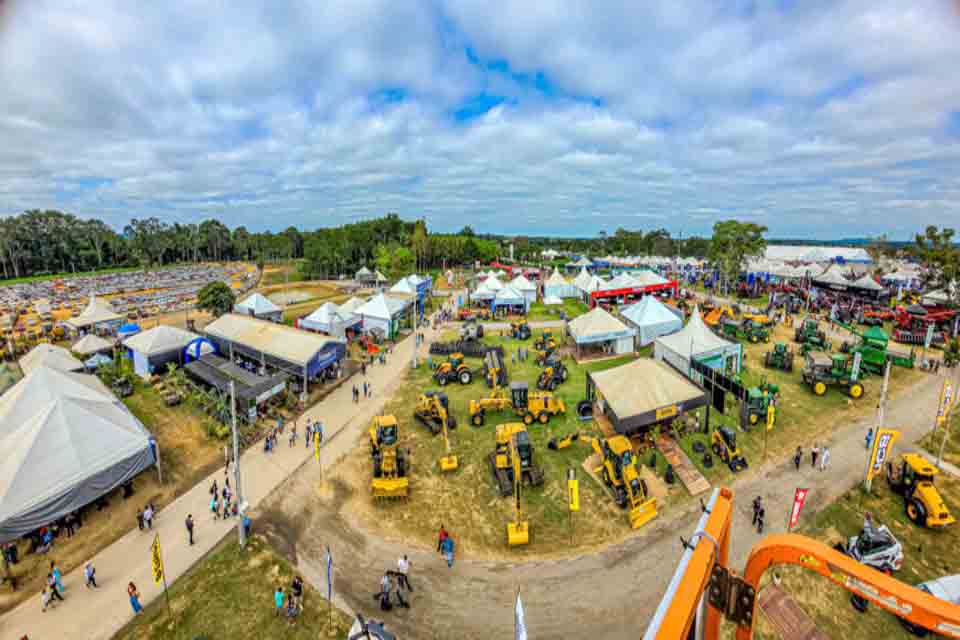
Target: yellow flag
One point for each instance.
(771, 416)
(946, 402)
(157, 561)
(573, 489)
(316, 445)
(882, 445)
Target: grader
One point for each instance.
(535, 406)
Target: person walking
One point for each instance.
(797, 457)
(824, 458)
(448, 550)
(278, 601)
(52, 585)
(403, 573)
(134, 598)
(760, 515)
(58, 578)
(814, 453)
(90, 575)
(385, 593)
(148, 516)
(441, 536)
(45, 599)
(397, 591)
(869, 438)
(215, 507)
(757, 506)
(296, 590)
(189, 524)
(140, 520)
(369, 389)
(308, 435)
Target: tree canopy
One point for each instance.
(940, 257)
(217, 298)
(733, 244)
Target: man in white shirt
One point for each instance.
(403, 568)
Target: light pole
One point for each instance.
(241, 508)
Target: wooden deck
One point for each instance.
(691, 478)
(786, 616)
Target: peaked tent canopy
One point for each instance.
(582, 279)
(697, 341)
(65, 441)
(649, 279)
(831, 277)
(382, 313)
(404, 287)
(379, 277)
(598, 326)
(49, 355)
(90, 344)
(351, 305)
(96, 312)
(557, 286)
(363, 274)
(258, 306)
(621, 281)
(867, 284)
(509, 297)
(526, 288)
(329, 319)
(652, 319)
(160, 339)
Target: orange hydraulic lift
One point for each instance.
(703, 590)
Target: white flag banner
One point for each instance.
(521, 626)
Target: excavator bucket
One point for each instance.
(390, 487)
(643, 513)
(449, 463)
(518, 533)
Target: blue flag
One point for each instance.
(329, 575)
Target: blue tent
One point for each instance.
(127, 330)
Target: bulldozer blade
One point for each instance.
(449, 463)
(518, 533)
(390, 487)
(643, 513)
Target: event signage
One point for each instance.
(799, 496)
(882, 444)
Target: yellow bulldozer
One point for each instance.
(513, 447)
(913, 479)
(620, 474)
(530, 406)
(389, 461)
(453, 370)
(433, 412)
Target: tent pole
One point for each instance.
(156, 447)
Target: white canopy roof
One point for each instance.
(649, 278)
(831, 276)
(90, 343)
(160, 339)
(493, 284)
(866, 282)
(582, 279)
(584, 261)
(405, 287)
(351, 305)
(327, 313)
(96, 312)
(556, 279)
(363, 273)
(381, 306)
(58, 432)
(49, 355)
(597, 324)
(622, 281)
(693, 339)
(379, 277)
(649, 310)
(520, 283)
(508, 295)
(271, 338)
(258, 303)
(596, 284)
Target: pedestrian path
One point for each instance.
(101, 613)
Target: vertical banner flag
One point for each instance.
(573, 490)
(520, 626)
(771, 416)
(798, 498)
(316, 445)
(156, 561)
(946, 400)
(855, 371)
(882, 444)
(329, 576)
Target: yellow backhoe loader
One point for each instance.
(619, 471)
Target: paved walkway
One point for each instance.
(99, 614)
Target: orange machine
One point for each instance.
(703, 575)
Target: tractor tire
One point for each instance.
(451, 422)
(442, 380)
(466, 377)
(754, 339)
(707, 461)
(855, 390)
(916, 512)
(585, 409)
(477, 419)
(620, 497)
(401, 465)
(698, 447)
(528, 419)
(543, 417)
(819, 388)
(479, 330)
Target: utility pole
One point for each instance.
(241, 509)
(881, 409)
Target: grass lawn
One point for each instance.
(951, 451)
(466, 501)
(229, 594)
(281, 273)
(187, 454)
(57, 276)
(571, 307)
(927, 554)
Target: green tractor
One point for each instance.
(824, 370)
(873, 350)
(754, 407)
(780, 358)
(745, 330)
(809, 331)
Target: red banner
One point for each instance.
(798, 497)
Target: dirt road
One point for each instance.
(609, 594)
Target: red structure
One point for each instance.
(631, 294)
(912, 322)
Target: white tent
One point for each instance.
(867, 284)
(259, 306)
(363, 274)
(382, 313)
(482, 293)
(404, 287)
(65, 440)
(557, 286)
(49, 355)
(90, 344)
(697, 341)
(154, 348)
(621, 281)
(831, 278)
(351, 305)
(95, 313)
(379, 277)
(527, 288)
(510, 297)
(652, 319)
(493, 283)
(583, 261)
(599, 327)
(328, 318)
(940, 297)
(582, 280)
(648, 278)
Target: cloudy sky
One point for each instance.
(558, 117)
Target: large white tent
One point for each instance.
(154, 348)
(49, 355)
(351, 305)
(382, 313)
(525, 287)
(328, 318)
(652, 319)
(65, 441)
(259, 306)
(556, 285)
(867, 283)
(90, 344)
(582, 280)
(598, 327)
(832, 278)
(96, 313)
(510, 297)
(697, 341)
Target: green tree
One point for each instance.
(940, 257)
(217, 298)
(732, 244)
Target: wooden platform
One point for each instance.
(691, 478)
(786, 616)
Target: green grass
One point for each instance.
(951, 450)
(229, 594)
(928, 554)
(58, 276)
(280, 273)
(571, 307)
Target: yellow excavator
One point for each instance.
(389, 462)
(619, 471)
(433, 412)
(448, 462)
(513, 450)
(518, 531)
(530, 406)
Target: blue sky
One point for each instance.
(559, 117)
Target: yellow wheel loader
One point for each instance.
(913, 479)
(453, 370)
(619, 472)
(389, 461)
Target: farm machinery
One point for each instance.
(530, 406)
(913, 479)
(453, 370)
(494, 369)
(724, 445)
(823, 370)
(620, 474)
(513, 445)
(716, 315)
(471, 331)
(780, 358)
(520, 331)
(546, 341)
(809, 330)
(389, 462)
(912, 324)
(873, 349)
(553, 374)
(745, 330)
(758, 402)
(433, 412)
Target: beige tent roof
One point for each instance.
(90, 344)
(48, 355)
(556, 279)
(278, 340)
(161, 339)
(642, 386)
(351, 305)
(693, 339)
(96, 312)
(597, 322)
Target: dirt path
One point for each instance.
(608, 594)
